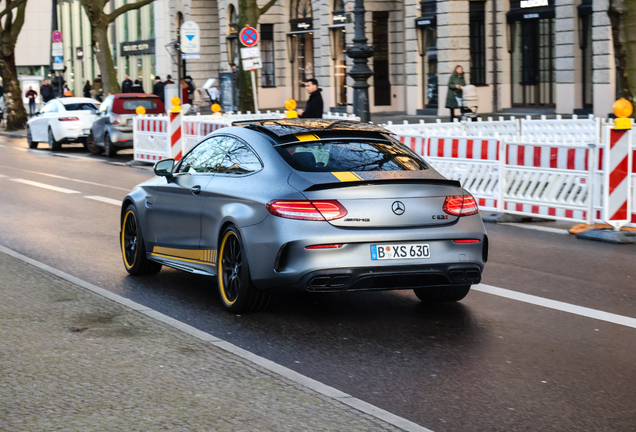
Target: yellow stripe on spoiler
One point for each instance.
(307, 137)
(347, 176)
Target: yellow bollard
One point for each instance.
(176, 104)
(140, 110)
(216, 109)
(290, 106)
(622, 110)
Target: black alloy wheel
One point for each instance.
(92, 146)
(237, 291)
(32, 144)
(53, 144)
(133, 247)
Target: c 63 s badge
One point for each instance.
(440, 216)
(357, 220)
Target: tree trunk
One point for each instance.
(105, 60)
(16, 113)
(622, 15)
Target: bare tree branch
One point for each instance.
(265, 8)
(125, 8)
(18, 22)
(12, 5)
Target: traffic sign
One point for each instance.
(57, 36)
(248, 36)
(250, 52)
(252, 63)
(57, 49)
(58, 63)
(190, 38)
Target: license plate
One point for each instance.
(86, 131)
(400, 251)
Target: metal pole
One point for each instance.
(253, 74)
(495, 84)
(179, 60)
(360, 72)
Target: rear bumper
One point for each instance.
(121, 139)
(278, 257)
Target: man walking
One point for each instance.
(31, 94)
(126, 86)
(46, 91)
(157, 89)
(314, 104)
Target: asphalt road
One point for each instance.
(486, 364)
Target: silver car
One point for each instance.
(316, 205)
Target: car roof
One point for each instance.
(292, 130)
(135, 96)
(71, 100)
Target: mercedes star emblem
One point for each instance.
(398, 208)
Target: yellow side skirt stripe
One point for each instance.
(203, 256)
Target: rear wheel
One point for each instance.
(32, 144)
(92, 146)
(237, 291)
(132, 246)
(442, 294)
(109, 148)
(53, 144)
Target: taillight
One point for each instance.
(307, 210)
(68, 119)
(325, 246)
(467, 241)
(114, 119)
(464, 205)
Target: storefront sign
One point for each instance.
(530, 16)
(341, 18)
(533, 3)
(137, 47)
(304, 24)
(419, 22)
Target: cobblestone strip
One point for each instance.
(73, 360)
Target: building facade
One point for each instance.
(551, 54)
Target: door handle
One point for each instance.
(196, 190)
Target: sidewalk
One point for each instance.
(73, 360)
(14, 134)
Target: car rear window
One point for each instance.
(333, 156)
(131, 105)
(82, 106)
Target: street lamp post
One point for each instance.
(360, 72)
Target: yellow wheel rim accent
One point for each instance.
(220, 272)
(123, 244)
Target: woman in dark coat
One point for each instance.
(456, 84)
(87, 89)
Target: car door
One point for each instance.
(40, 124)
(99, 125)
(175, 205)
(235, 191)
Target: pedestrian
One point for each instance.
(31, 94)
(185, 99)
(46, 91)
(169, 80)
(67, 92)
(97, 88)
(136, 87)
(157, 89)
(87, 89)
(126, 85)
(191, 88)
(456, 84)
(314, 106)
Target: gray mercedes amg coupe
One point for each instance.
(316, 205)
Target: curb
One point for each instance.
(13, 134)
(283, 371)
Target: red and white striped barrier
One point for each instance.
(618, 191)
(176, 148)
(150, 135)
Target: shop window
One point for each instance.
(381, 76)
(477, 43)
(268, 76)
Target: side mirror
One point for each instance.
(164, 167)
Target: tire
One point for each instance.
(92, 146)
(53, 145)
(238, 293)
(32, 144)
(109, 148)
(132, 245)
(442, 294)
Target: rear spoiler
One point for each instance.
(440, 182)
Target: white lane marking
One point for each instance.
(76, 157)
(558, 305)
(44, 186)
(106, 200)
(2, 175)
(536, 227)
(66, 178)
(312, 384)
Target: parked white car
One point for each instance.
(64, 120)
